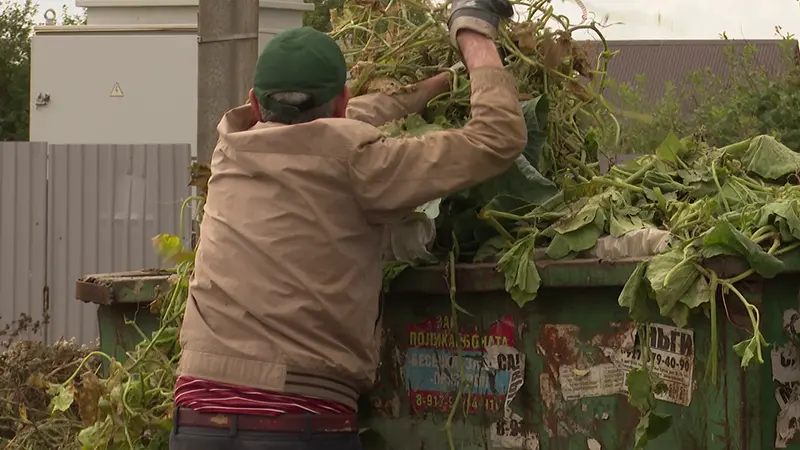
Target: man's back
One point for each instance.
(274, 191)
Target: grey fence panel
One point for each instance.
(23, 231)
(106, 203)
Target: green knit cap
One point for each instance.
(299, 60)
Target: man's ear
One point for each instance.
(342, 99)
(254, 105)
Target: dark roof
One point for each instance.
(662, 61)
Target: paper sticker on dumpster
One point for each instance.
(785, 367)
(431, 367)
(510, 431)
(671, 359)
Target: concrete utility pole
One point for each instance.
(227, 38)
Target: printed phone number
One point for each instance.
(444, 402)
(661, 360)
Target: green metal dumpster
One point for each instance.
(121, 298)
(549, 375)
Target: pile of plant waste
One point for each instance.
(27, 370)
(555, 203)
(391, 44)
(742, 200)
(130, 405)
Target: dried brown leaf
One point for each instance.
(199, 175)
(524, 35)
(580, 60)
(384, 84)
(87, 398)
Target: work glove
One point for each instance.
(411, 239)
(480, 16)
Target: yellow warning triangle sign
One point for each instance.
(116, 91)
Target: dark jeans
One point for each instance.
(201, 438)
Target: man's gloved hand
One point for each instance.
(411, 239)
(480, 16)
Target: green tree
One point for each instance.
(16, 28)
(320, 17)
(720, 109)
(67, 18)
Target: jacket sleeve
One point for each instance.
(378, 109)
(392, 176)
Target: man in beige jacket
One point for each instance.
(282, 324)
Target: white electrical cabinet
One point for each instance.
(115, 88)
(130, 75)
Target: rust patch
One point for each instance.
(621, 336)
(559, 346)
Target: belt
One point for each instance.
(285, 423)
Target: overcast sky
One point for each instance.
(690, 19)
(662, 19)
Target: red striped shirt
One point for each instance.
(213, 397)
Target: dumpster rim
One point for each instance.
(102, 289)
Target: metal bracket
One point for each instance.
(42, 99)
(230, 37)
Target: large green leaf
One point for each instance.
(62, 397)
(770, 159)
(576, 241)
(622, 224)
(784, 215)
(651, 426)
(750, 349)
(588, 212)
(697, 294)
(724, 235)
(641, 396)
(674, 284)
(671, 149)
(640, 390)
(523, 179)
(634, 294)
(519, 269)
(535, 112)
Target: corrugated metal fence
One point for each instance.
(23, 231)
(72, 210)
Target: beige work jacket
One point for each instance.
(285, 292)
